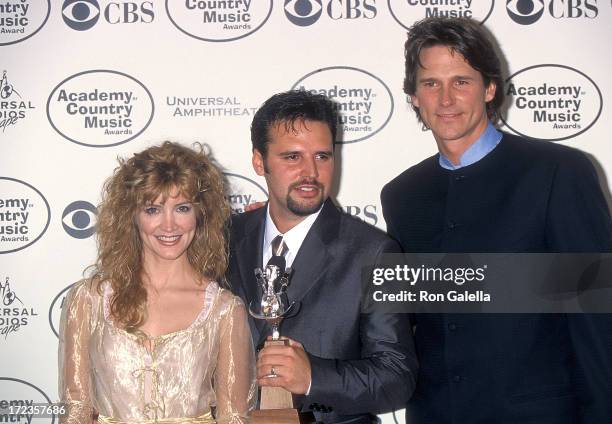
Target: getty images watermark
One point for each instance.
(411, 276)
(490, 283)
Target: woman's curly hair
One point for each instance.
(159, 170)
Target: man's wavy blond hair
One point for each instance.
(138, 181)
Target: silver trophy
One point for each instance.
(272, 307)
(275, 403)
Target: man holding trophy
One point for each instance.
(300, 260)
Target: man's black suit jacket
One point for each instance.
(362, 364)
(524, 196)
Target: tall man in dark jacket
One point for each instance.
(342, 365)
(488, 191)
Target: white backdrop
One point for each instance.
(86, 81)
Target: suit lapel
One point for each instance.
(249, 257)
(314, 256)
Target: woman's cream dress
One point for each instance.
(173, 378)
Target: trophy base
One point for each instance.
(272, 398)
(275, 398)
(281, 416)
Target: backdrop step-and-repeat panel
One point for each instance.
(86, 81)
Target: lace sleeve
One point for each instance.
(235, 387)
(74, 369)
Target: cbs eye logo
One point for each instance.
(303, 12)
(525, 12)
(80, 15)
(79, 219)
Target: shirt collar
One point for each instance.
(478, 150)
(292, 238)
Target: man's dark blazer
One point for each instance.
(524, 196)
(362, 364)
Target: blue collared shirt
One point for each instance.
(478, 150)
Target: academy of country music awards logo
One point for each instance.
(24, 215)
(14, 313)
(55, 310)
(218, 20)
(100, 108)
(527, 12)
(21, 19)
(13, 106)
(243, 191)
(407, 12)
(363, 100)
(552, 102)
(18, 398)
